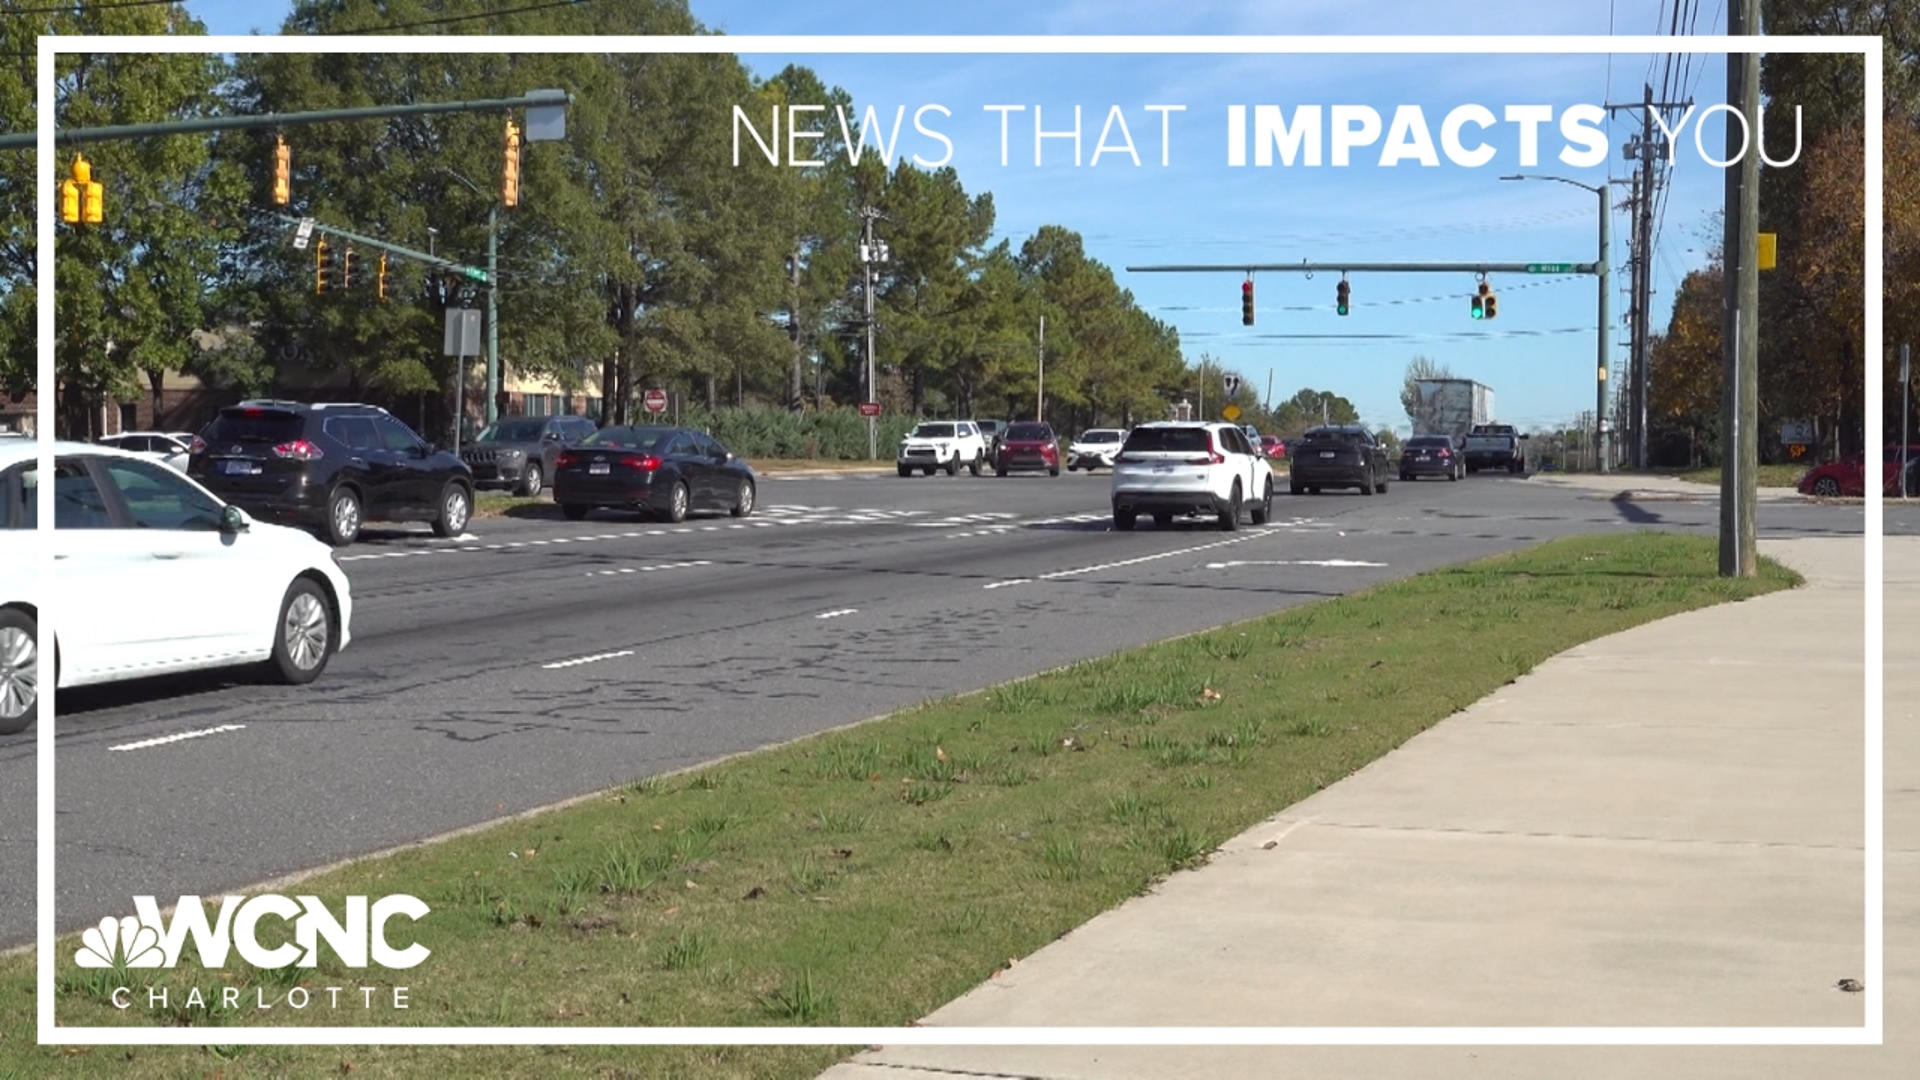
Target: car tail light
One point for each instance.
(298, 450)
(644, 464)
(1214, 457)
(199, 446)
(566, 458)
(1446, 453)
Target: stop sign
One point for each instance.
(655, 401)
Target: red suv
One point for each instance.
(1030, 446)
(1273, 446)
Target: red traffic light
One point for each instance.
(1246, 302)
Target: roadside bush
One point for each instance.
(773, 432)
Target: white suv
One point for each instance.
(1175, 468)
(942, 444)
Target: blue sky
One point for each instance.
(1538, 355)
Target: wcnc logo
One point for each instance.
(150, 941)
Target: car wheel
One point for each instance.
(532, 483)
(1263, 510)
(19, 671)
(979, 462)
(1453, 474)
(1123, 520)
(998, 471)
(953, 465)
(743, 502)
(1230, 517)
(343, 517)
(1293, 488)
(1367, 488)
(456, 508)
(574, 511)
(1381, 487)
(303, 636)
(1826, 487)
(1055, 471)
(677, 503)
(904, 471)
(1406, 478)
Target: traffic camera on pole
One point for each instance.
(282, 172)
(510, 173)
(1246, 302)
(1342, 293)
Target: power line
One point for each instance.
(450, 19)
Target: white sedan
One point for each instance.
(153, 575)
(1095, 449)
(166, 448)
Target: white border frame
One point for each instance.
(1872, 1033)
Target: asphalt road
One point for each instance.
(541, 659)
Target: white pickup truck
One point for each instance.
(1495, 446)
(942, 444)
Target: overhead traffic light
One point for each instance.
(1492, 304)
(81, 198)
(1342, 293)
(1246, 302)
(282, 172)
(1479, 310)
(510, 175)
(380, 282)
(346, 268)
(322, 266)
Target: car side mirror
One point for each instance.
(234, 520)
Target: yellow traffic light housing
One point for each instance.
(81, 197)
(1246, 302)
(1480, 301)
(322, 267)
(346, 268)
(282, 172)
(380, 280)
(510, 175)
(1492, 304)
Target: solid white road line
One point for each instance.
(1294, 562)
(1152, 558)
(182, 737)
(587, 659)
(836, 614)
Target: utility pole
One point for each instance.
(1040, 377)
(1739, 555)
(794, 390)
(493, 313)
(871, 253)
(1646, 149)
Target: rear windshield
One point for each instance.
(934, 431)
(1335, 435)
(1430, 440)
(1029, 433)
(1170, 440)
(514, 431)
(1100, 436)
(1493, 429)
(627, 438)
(255, 426)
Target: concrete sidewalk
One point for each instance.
(1660, 828)
(1640, 486)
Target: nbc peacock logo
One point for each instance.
(120, 943)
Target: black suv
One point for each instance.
(518, 452)
(329, 468)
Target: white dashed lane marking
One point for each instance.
(836, 614)
(586, 659)
(648, 569)
(1004, 584)
(182, 737)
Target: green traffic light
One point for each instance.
(1478, 312)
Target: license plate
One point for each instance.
(1424, 457)
(1327, 453)
(599, 468)
(1163, 468)
(240, 468)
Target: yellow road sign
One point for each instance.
(1231, 412)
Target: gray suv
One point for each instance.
(518, 452)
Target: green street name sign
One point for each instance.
(1550, 268)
